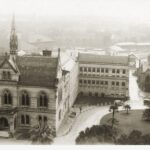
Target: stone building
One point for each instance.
(33, 89)
(103, 76)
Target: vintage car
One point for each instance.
(118, 102)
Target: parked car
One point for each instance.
(118, 102)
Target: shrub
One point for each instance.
(97, 133)
(134, 138)
(146, 115)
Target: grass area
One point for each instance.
(91, 100)
(129, 122)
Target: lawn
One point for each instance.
(129, 122)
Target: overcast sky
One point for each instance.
(127, 9)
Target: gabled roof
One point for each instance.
(37, 70)
(5, 60)
(102, 59)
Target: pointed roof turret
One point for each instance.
(13, 38)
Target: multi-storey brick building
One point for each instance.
(104, 76)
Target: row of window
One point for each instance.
(25, 119)
(102, 70)
(100, 94)
(42, 100)
(113, 83)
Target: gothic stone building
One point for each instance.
(32, 89)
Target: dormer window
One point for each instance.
(6, 75)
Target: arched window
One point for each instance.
(45, 119)
(6, 75)
(42, 119)
(25, 119)
(25, 99)
(7, 98)
(3, 75)
(43, 100)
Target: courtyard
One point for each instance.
(129, 122)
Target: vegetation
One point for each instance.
(97, 134)
(105, 134)
(146, 114)
(127, 107)
(134, 138)
(42, 134)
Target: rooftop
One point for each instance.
(104, 59)
(37, 70)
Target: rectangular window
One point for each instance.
(123, 83)
(106, 82)
(22, 119)
(25, 119)
(117, 83)
(124, 71)
(89, 69)
(85, 81)
(106, 70)
(118, 71)
(97, 82)
(89, 81)
(102, 70)
(102, 82)
(85, 69)
(113, 71)
(93, 70)
(81, 69)
(113, 83)
(98, 70)
(93, 81)
(80, 81)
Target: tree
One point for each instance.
(127, 107)
(97, 134)
(134, 138)
(113, 108)
(42, 134)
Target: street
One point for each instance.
(92, 117)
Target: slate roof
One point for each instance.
(37, 70)
(103, 59)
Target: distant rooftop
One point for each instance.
(104, 59)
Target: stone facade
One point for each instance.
(103, 79)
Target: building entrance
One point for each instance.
(4, 125)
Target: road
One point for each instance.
(136, 95)
(86, 119)
(91, 117)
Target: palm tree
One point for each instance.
(42, 134)
(127, 107)
(113, 108)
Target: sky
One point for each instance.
(127, 9)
